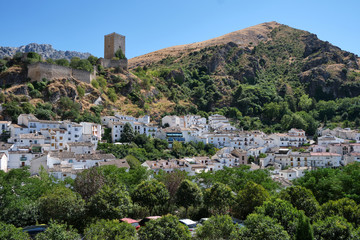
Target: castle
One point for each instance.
(112, 43)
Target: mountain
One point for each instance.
(269, 53)
(269, 76)
(45, 50)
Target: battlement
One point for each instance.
(40, 70)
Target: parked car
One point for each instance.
(131, 221)
(202, 220)
(147, 219)
(190, 224)
(35, 229)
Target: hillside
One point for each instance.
(243, 37)
(269, 76)
(45, 50)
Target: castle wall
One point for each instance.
(40, 70)
(109, 63)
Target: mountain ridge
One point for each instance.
(45, 50)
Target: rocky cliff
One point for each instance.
(45, 50)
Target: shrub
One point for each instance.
(81, 91)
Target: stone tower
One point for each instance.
(112, 43)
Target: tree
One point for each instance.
(188, 194)
(58, 231)
(119, 54)
(261, 227)
(88, 182)
(10, 232)
(62, 204)
(345, 207)
(304, 230)
(334, 228)
(127, 134)
(218, 198)
(252, 196)
(164, 228)
(301, 198)
(283, 212)
(150, 194)
(62, 62)
(172, 181)
(110, 229)
(216, 227)
(110, 203)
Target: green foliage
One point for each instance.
(110, 229)
(164, 228)
(261, 227)
(119, 54)
(62, 62)
(112, 94)
(95, 83)
(102, 82)
(110, 202)
(304, 230)
(58, 231)
(334, 228)
(82, 64)
(33, 57)
(133, 161)
(89, 182)
(346, 208)
(301, 198)
(10, 232)
(283, 212)
(128, 133)
(216, 227)
(3, 66)
(219, 198)
(237, 178)
(13, 110)
(80, 90)
(332, 184)
(188, 194)
(27, 107)
(252, 196)
(62, 204)
(92, 59)
(150, 194)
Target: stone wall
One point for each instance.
(109, 63)
(40, 70)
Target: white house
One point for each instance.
(3, 162)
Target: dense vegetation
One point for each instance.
(100, 196)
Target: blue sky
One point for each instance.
(151, 25)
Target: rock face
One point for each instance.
(45, 50)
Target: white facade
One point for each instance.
(3, 162)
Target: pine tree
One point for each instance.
(304, 230)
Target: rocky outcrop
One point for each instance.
(45, 50)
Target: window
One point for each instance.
(52, 137)
(52, 144)
(61, 144)
(61, 138)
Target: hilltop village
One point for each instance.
(66, 148)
